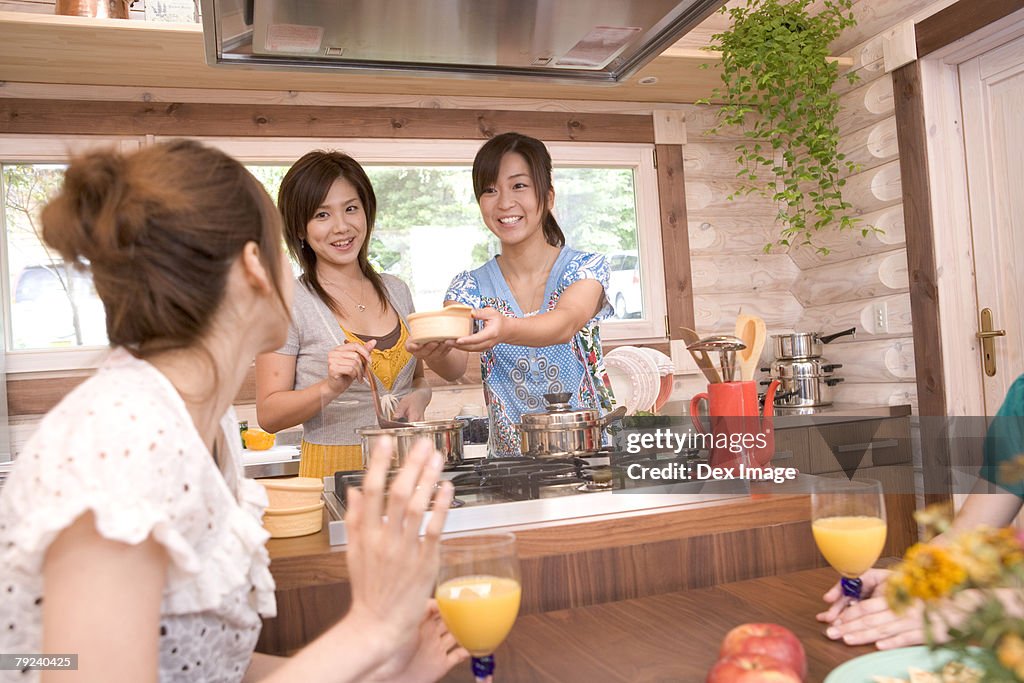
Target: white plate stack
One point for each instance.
(635, 377)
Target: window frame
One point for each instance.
(636, 156)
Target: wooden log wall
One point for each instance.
(803, 289)
(861, 272)
(727, 237)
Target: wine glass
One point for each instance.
(848, 523)
(478, 593)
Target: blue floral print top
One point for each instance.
(517, 377)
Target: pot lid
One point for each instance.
(427, 426)
(560, 413)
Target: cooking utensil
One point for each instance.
(804, 344)
(561, 431)
(445, 435)
(701, 358)
(752, 331)
(382, 421)
(727, 346)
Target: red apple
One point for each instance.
(770, 640)
(751, 669)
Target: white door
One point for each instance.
(992, 101)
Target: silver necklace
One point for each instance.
(359, 306)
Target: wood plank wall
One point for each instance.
(861, 273)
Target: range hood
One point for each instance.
(591, 41)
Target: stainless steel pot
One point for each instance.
(804, 344)
(561, 432)
(802, 368)
(806, 391)
(445, 435)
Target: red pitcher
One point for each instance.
(742, 434)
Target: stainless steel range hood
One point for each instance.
(592, 41)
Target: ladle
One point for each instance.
(727, 345)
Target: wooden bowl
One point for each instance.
(296, 521)
(292, 492)
(451, 322)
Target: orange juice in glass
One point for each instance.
(478, 594)
(848, 523)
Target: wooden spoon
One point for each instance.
(751, 330)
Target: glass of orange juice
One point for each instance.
(478, 593)
(848, 523)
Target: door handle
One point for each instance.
(987, 335)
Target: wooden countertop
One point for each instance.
(668, 637)
(573, 564)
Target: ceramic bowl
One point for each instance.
(451, 322)
(292, 492)
(295, 521)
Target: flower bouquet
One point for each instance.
(970, 591)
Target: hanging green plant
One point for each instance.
(778, 88)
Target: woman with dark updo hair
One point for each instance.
(129, 534)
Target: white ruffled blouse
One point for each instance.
(123, 446)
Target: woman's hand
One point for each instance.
(870, 620)
(392, 570)
(873, 583)
(430, 352)
(346, 363)
(412, 406)
(436, 652)
(495, 330)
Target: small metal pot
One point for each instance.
(804, 344)
(562, 432)
(445, 435)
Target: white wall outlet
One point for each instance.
(880, 317)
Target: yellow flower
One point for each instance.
(926, 573)
(1010, 652)
(934, 519)
(988, 555)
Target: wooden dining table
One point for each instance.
(666, 637)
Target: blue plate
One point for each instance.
(889, 663)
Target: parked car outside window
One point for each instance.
(45, 304)
(624, 291)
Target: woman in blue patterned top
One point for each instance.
(538, 303)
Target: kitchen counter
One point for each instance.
(604, 558)
(837, 413)
(669, 637)
(610, 553)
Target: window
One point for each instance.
(428, 229)
(54, 318)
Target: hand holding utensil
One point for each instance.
(382, 421)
